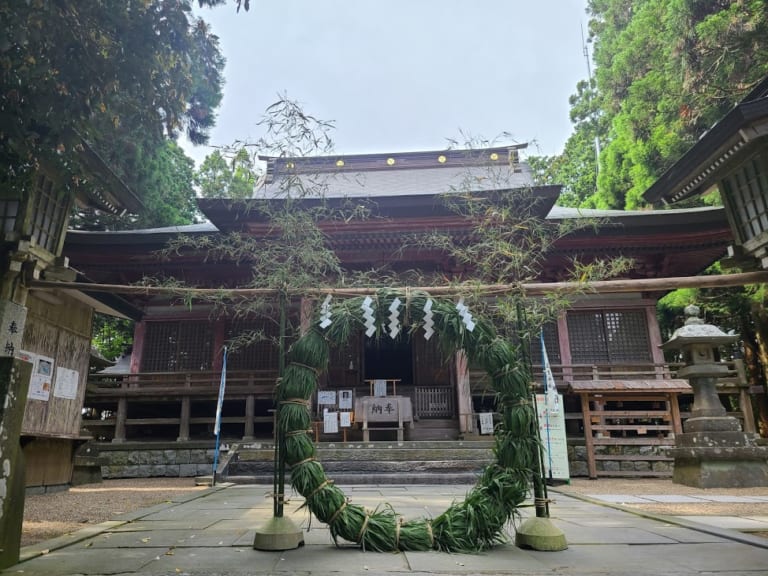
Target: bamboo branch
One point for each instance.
(529, 289)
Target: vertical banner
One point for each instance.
(552, 431)
(550, 388)
(553, 422)
(219, 404)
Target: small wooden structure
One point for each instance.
(634, 413)
(385, 413)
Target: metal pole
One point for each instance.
(217, 425)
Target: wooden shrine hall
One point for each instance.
(170, 386)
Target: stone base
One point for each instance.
(279, 533)
(720, 473)
(540, 534)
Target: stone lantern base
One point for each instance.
(715, 453)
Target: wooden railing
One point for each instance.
(434, 401)
(108, 397)
(733, 383)
(119, 405)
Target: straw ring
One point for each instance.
(305, 366)
(320, 487)
(297, 401)
(310, 459)
(337, 513)
(299, 432)
(362, 529)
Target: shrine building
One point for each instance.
(619, 391)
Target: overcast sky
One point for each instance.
(404, 75)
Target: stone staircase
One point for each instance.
(410, 462)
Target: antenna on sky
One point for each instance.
(585, 50)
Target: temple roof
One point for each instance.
(405, 194)
(396, 174)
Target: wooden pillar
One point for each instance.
(588, 442)
(564, 342)
(307, 309)
(464, 393)
(186, 409)
(120, 418)
(184, 415)
(139, 333)
(654, 341)
(674, 408)
(745, 403)
(250, 413)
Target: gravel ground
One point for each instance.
(49, 515)
(640, 486)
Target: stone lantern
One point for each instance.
(712, 451)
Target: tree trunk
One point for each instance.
(760, 316)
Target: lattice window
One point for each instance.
(177, 347)
(9, 210)
(49, 213)
(746, 190)
(430, 365)
(608, 337)
(261, 353)
(552, 343)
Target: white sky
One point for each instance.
(403, 75)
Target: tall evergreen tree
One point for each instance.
(123, 76)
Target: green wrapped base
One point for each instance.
(540, 534)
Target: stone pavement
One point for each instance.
(211, 533)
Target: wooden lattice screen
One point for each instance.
(261, 353)
(51, 204)
(178, 347)
(550, 341)
(746, 189)
(429, 365)
(608, 337)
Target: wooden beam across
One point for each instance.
(530, 289)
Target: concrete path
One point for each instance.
(212, 533)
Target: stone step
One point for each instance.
(348, 478)
(362, 454)
(374, 462)
(370, 466)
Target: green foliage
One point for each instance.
(730, 309)
(165, 175)
(474, 524)
(125, 76)
(575, 169)
(111, 336)
(666, 70)
(219, 177)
